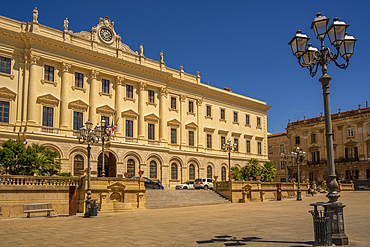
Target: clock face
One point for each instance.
(106, 34)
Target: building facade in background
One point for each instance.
(169, 124)
(351, 147)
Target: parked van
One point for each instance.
(203, 183)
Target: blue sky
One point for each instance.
(237, 44)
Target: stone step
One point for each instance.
(181, 198)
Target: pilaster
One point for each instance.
(163, 92)
(119, 105)
(182, 119)
(64, 116)
(93, 95)
(200, 133)
(141, 122)
(32, 90)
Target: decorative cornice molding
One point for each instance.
(129, 113)
(7, 93)
(49, 99)
(78, 104)
(151, 117)
(105, 109)
(191, 125)
(174, 122)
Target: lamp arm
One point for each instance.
(334, 59)
(312, 68)
(81, 140)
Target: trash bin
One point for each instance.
(278, 191)
(93, 208)
(321, 224)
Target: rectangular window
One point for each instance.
(282, 148)
(191, 106)
(350, 132)
(79, 80)
(49, 73)
(282, 164)
(248, 146)
(258, 122)
(247, 119)
(77, 120)
(297, 140)
(129, 92)
(105, 86)
(351, 174)
(315, 156)
(173, 103)
(4, 112)
(223, 141)
(47, 117)
(313, 138)
(235, 117)
(151, 96)
(270, 150)
(191, 138)
(259, 147)
(106, 119)
(236, 143)
(209, 141)
(5, 65)
(223, 114)
(174, 136)
(129, 128)
(209, 113)
(151, 131)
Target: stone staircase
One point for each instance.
(181, 198)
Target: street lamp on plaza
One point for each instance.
(90, 136)
(105, 135)
(298, 155)
(312, 58)
(285, 156)
(229, 147)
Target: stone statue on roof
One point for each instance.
(65, 25)
(35, 15)
(141, 50)
(161, 57)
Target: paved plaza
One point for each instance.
(271, 223)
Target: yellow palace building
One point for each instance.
(169, 123)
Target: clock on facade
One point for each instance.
(106, 34)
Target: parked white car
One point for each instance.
(185, 186)
(203, 183)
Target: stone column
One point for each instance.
(162, 114)
(20, 92)
(94, 90)
(141, 122)
(119, 105)
(182, 120)
(64, 117)
(32, 90)
(201, 139)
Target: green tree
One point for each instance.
(254, 168)
(18, 160)
(268, 171)
(237, 172)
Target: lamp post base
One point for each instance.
(87, 209)
(299, 197)
(337, 223)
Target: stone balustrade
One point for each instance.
(6, 180)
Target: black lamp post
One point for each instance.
(229, 147)
(298, 155)
(285, 156)
(105, 135)
(312, 58)
(90, 136)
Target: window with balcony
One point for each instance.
(315, 157)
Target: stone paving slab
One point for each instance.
(270, 223)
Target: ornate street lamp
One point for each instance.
(229, 147)
(285, 156)
(105, 135)
(312, 60)
(298, 155)
(90, 136)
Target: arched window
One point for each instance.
(78, 165)
(131, 167)
(223, 173)
(173, 171)
(153, 169)
(191, 172)
(209, 171)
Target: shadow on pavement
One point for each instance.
(233, 241)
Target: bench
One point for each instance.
(36, 208)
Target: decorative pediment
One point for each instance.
(223, 132)
(7, 93)
(129, 113)
(236, 134)
(248, 136)
(314, 148)
(191, 125)
(78, 104)
(105, 109)
(151, 117)
(350, 144)
(258, 137)
(174, 122)
(209, 129)
(116, 186)
(48, 99)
